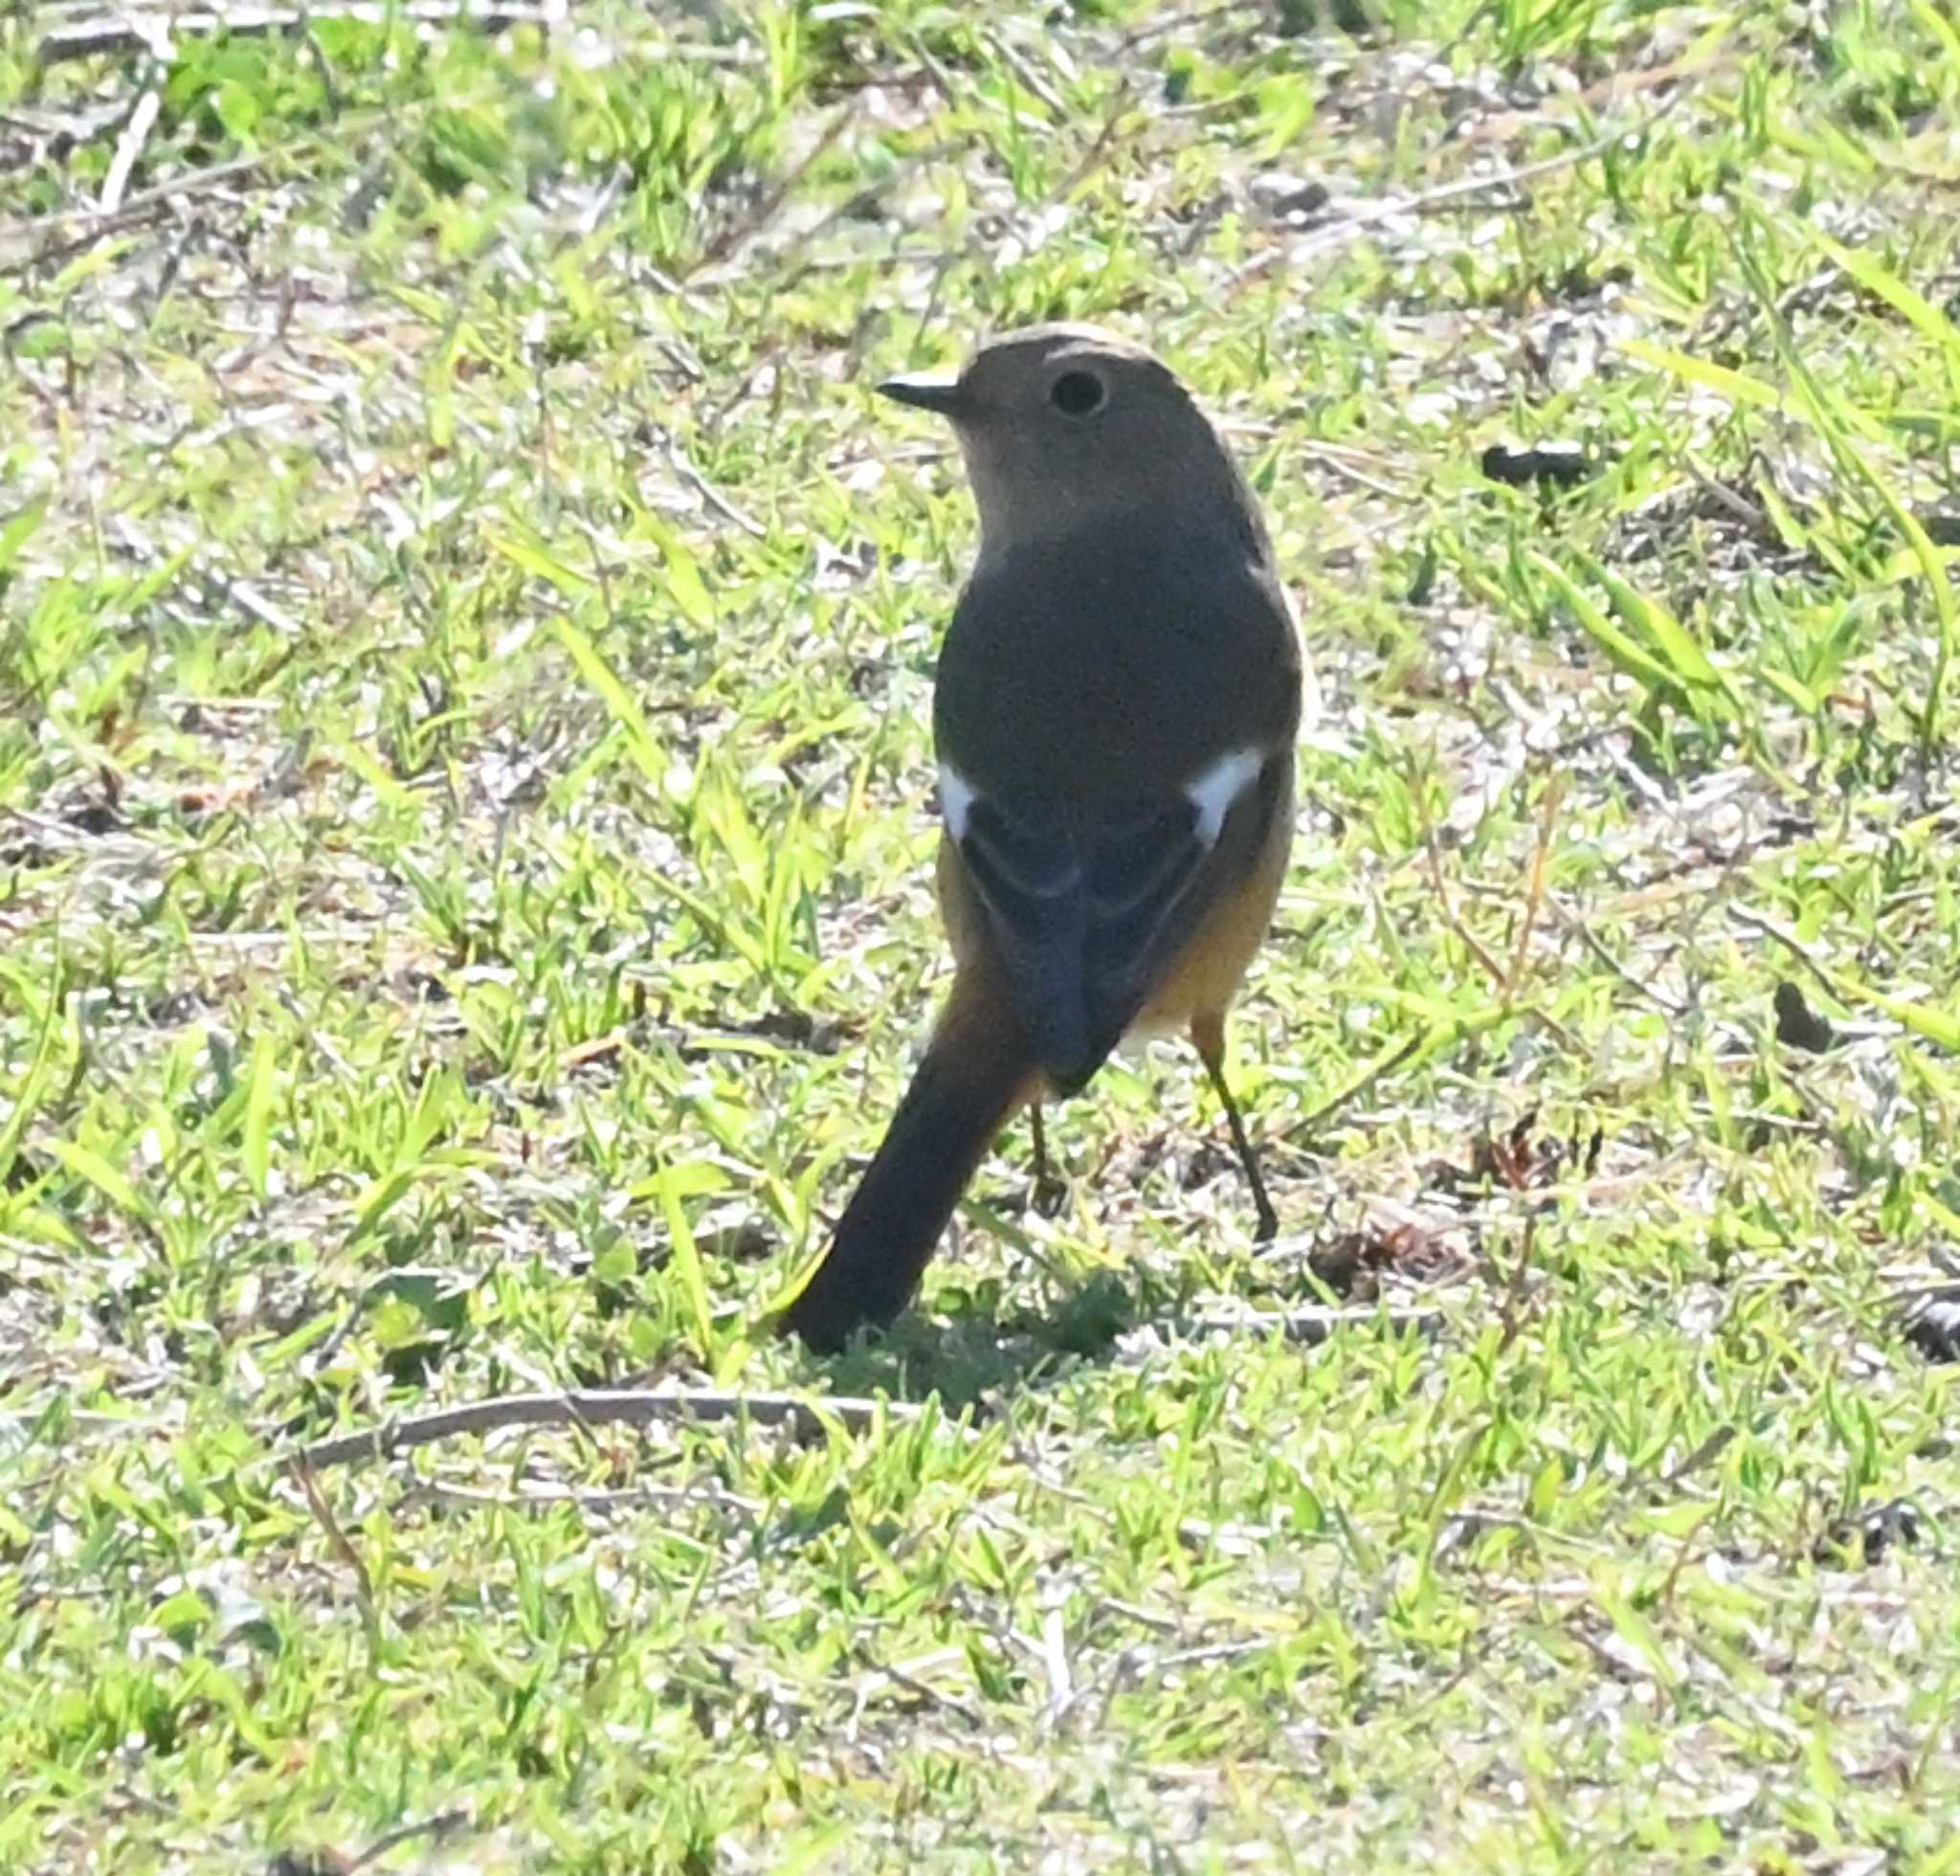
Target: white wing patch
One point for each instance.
(1213, 789)
(956, 796)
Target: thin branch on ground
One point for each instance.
(1309, 1325)
(1357, 217)
(443, 1823)
(549, 1498)
(732, 239)
(1360, 1085)
(1576, 924)
(85, 225)
(807, 1418)
(138, 30)
(129, 146)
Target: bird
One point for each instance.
(1116, 708)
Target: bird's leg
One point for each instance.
(1048, 1191)
(1208, 1033)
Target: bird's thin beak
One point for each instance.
(939, 395)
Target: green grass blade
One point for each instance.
(620, 703)
(1737, 387)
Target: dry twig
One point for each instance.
(1310, 1326)
(139, 30)
(128, 147)
(1361, 215)
(806, 1418)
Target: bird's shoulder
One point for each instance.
(1120, 667)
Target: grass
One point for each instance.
(465, 640)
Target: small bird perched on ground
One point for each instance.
(1115, 715)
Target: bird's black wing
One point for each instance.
(1085, 919)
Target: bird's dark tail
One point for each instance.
(976, 1074)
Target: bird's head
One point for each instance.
(1066, 427)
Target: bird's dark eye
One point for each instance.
(1077, 393)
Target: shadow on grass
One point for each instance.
(973, 1350)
